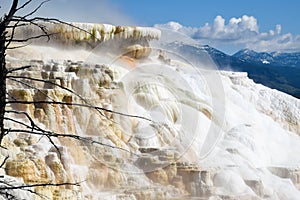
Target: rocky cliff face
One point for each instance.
(185, 133)
(118, 39)
(36, 161)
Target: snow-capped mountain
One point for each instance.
(255, 57)
(276, 70)
(274, 58)
(289, 59)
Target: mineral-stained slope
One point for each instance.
(176, 131)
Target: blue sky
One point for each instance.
(262, 25)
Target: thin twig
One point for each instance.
(19, 46)
(4, 161)
(33, 87)
(80, 105)
(36, 130)
(18, 69)
(36, 9)
(24, 5)
(77, 137)
(32, 38)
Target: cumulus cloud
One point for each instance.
(236, 29)
(175, 26)
(285, 43)
(242, 32)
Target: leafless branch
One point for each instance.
(32, 38)
(55, 84)
(36, 130)
(4, 161)
(18, 69)
(19, 46)
(24, 5)
(77, 137)
(12, 34)
(10, 96)
(49, 82)
(12, 11)
(19, 25)
(36, 9)
(18, 122)
(80, 105)
(31, 86)
(28, 188)
(42, 185)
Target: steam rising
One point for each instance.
(217, 130)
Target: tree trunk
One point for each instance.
(4, 21)
(3, 71)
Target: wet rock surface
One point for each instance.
(163, 170)
(129, 157)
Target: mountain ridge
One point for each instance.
(275, 58)
(275, 70)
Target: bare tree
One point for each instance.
(9, 23)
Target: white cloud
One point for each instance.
(234, 30)
(278, 28)
(175, 26)
(286, 42)
(242, 32)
